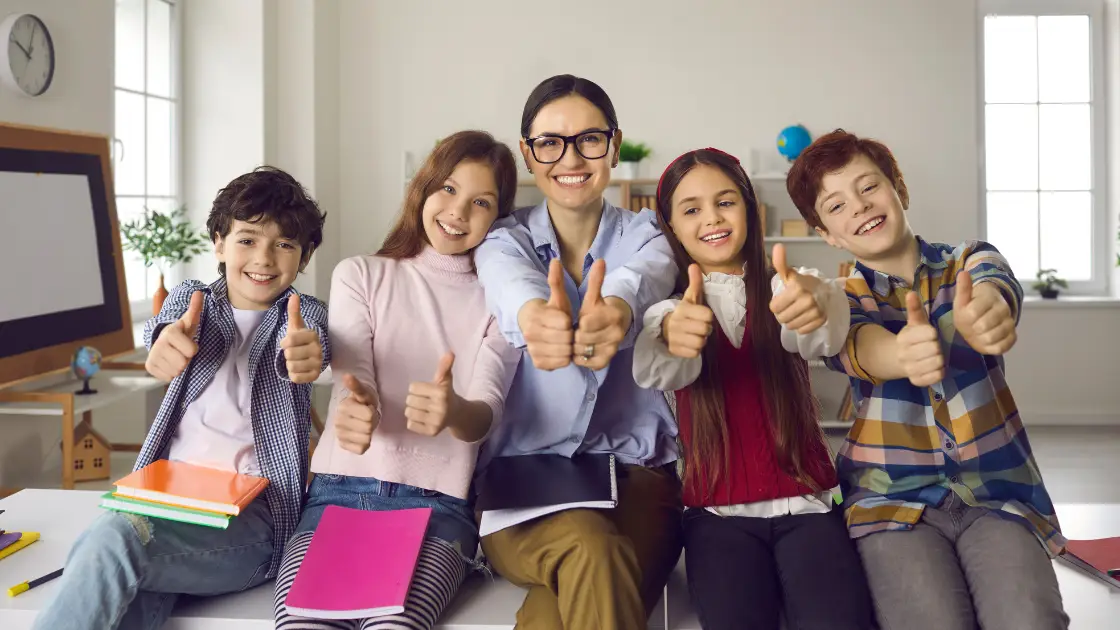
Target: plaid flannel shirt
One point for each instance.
(911, 446)
(280, 409)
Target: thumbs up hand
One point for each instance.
(983, 317)
(175, 346)
(356, 416)
(432, 407)
(547, 326)
(796, 307)
(919, 347)
(602, 322)
(686, 329)
(302, 351)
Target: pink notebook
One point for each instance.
(359, 564)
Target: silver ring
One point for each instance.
(588, 351)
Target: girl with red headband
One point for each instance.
(761, 536)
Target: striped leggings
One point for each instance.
(439, 572)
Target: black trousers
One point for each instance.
(743, 573)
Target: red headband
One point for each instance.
(712, 149)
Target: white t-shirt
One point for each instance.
(217, 428)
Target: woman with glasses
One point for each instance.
(568, 281)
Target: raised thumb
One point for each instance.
(193, 316)
(295, 320)
(778, 258)
(595, 277)
(964, 290)
(694, 294)
(443, 372)
(915, 314)
(357, 391)
(558, 296)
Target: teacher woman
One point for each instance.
(568, 281)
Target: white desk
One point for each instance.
(1090, 604)
(61, 515)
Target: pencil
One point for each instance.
(26, 586)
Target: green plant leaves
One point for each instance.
(165, 238)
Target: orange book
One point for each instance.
(191, 486)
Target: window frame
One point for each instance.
(141, 309)
(1100, 251)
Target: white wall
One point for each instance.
(223, 118)
(81, 94)
(80, 99)
(729, 74)
(260, 87)
(681, 76)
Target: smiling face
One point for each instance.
(709, 218)
(574, 182)
(861, 211)
(457, 216)
(260, 263)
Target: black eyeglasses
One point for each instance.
(549, 148)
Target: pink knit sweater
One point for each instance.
(390, 322)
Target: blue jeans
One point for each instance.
(452, 519)
(126, 571)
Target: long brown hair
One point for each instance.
(785, 376)
(407, 238)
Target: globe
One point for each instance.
(792, 141)
(85, 363)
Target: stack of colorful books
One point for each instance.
(188, 493)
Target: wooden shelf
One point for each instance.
(794, 239)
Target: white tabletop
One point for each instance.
(61, 515)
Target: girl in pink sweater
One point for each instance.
(421, 373)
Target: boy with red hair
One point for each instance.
(941, 490)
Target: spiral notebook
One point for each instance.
(514, 490)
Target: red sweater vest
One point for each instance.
(753, 473)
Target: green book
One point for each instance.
(110, 501)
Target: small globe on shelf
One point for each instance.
(793, 140)
(85, 363)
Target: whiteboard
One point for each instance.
(49, 259)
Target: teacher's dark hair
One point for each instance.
(563, 85)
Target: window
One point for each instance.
(87, 443)
(146, 143)
(1042, 82)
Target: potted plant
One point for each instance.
(629, 155)
(163, 240)
(1047, 281)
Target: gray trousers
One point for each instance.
(961, 568)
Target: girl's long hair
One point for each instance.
(789, 400)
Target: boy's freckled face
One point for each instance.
(260, 263)
(861, 211)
